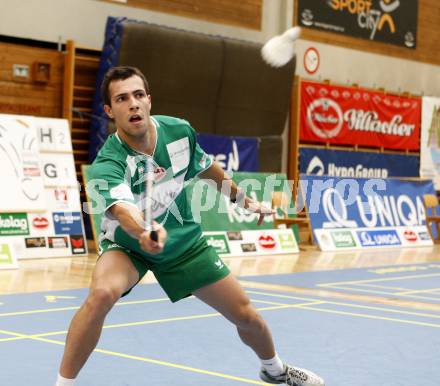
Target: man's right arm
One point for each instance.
(131, 220)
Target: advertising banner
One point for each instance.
(390, 21)
(13, 224)
(341, 163)
(43, 218)
(355, 116)
(231, 153)
(430, 140)
(351, 213)
(253, 242)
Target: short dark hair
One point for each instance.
(120, 73)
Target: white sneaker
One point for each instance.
(293, 376)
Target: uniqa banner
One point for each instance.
(352, 213)
(231, 153)
(358, 164)
(430, 140)
(356, 116)
(389, 21)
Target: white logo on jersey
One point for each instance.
(179, 154)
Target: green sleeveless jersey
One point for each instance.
(119, 175)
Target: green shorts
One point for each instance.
(198, 267)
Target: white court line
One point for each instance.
(347, 288)
(368, 316)
(418, 291)
(379, 280)
(355, 305)
(382, 286)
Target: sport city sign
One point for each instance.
(355, 116)
(389, 21)
(355, 213)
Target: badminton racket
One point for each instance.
(149, 199)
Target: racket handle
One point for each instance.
(154, 236)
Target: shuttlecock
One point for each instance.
(280, 49)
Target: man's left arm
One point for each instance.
(229, 188)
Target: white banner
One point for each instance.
(253, 242)
(430, 140)
(367, 238)
(36, 156)
(22, 180)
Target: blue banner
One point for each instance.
(231, 153)
(67, 223)
(109, 58)
(352, 213)
(340, 163)
(362, 202)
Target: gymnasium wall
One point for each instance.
(24, 95)
(348, 66)
(245, 14)
(344, 59)
(84, 20)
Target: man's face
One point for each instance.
(130, 106)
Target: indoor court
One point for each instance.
(354, 322)
(220, 192)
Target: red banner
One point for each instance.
(355, 116)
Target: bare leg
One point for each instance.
(113, 275)
(228, 298)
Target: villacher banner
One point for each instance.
(389, 21)
(356, 116)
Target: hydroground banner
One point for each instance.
(352, 213)
(389, 21)
(430, 140)
(340, 163)
(231, 153)
(355, 116)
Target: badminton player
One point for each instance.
(180, 259)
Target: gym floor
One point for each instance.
(358, 318)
